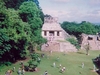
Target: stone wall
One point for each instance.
(94, 44)
(59, 46)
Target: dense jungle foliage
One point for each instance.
(76, 29)
(20, 28)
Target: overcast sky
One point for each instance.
(72, 10)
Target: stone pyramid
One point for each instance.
(53, 32)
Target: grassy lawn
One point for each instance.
(72, 62)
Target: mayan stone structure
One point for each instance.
(51, 30)
(92, 40)
(56, 36)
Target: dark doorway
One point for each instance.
(51, 33)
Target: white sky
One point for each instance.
(72, 10)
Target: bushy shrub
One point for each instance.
(8, 63)
(2, 64)
(74, 42)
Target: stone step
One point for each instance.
(59, 46)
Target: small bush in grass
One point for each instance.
(5, 64)
(8, 63)
(74, 42)
(34, 61)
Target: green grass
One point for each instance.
(72, 62)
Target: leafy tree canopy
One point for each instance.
(16, 32)
(30, 13)
(13, 3)
(14, 36)
(87, 27)
(78, 28)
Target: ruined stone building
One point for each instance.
(51, 30)
(55, 36)
(92, 40)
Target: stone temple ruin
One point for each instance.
(92, 40)
(55, 36)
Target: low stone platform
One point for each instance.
(60, 46)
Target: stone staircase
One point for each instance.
(54, 46)
(67, 47)
(59, 46)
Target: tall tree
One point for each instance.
(17, 31)
(13, 3)
(14, 35)
(78, 28)
(41, 12)
(71, 27)
(31, 14)
(87, 28)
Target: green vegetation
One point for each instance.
(34, 62)
(72, 62)
(16, 3)
(74, 42)
(76, 29)
(20, 29)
